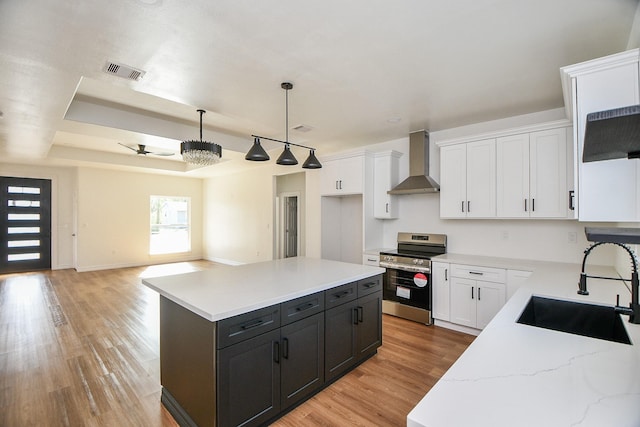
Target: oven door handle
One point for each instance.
(413, 269)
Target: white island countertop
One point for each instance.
(225, 291)
(520, 375)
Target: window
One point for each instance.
(170, 228)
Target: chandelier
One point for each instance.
(258, 154)
(201, 152)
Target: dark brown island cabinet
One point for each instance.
(250, 369)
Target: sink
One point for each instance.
(590, 320)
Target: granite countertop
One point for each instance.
(226, 291)
(515, 374)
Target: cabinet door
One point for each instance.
(249, 368)
(453, 181)
(369, 331)
(489, 300)
(340, 339)
(351, 177)
(549, 197)
(440, 284)
(302, 359)
(384, 179)
(481, 179)
(513, 176)
(607, 190)
(463, 301)
(329, 177)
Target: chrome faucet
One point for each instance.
(633, 311)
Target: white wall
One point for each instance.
(63, 187)
(113, 217)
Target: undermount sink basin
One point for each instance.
(590, 320)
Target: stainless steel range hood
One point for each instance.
(419, 180)
(612, 134)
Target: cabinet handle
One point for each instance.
(462, 208)
(360, 314)
(304, 307)
(477, 273)
(252, 325)
(370, 285)
(285, 348)
(468, 206)
(572, 195)
(479, 294)
(340, 184)
(276, 352)
(337, 185)
(341, 294)
(387, 208)
(354, 316)
(472, 292)
(446, 272)
(533, 205)
(525, 205)
(372, 260)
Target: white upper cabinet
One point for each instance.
(468, 180)
(385, 206)
(607, 190)
(342, 176)
(532, 175)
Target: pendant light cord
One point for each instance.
(286, 109)
(201, 113)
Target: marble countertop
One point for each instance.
(515, 374)
(225, 291)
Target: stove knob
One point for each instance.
(421, 262)
(415, 262)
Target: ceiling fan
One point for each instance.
(142, 150)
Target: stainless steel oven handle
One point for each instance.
(404, 267)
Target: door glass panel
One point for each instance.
(23, 257)
(23, 217)
(22, 243)
(23, 230)
(23, 190)
(23, 203)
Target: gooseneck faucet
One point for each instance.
(633, 311)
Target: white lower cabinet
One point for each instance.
(476, 294)
(515, 279)
(441, 291)
(371, 259)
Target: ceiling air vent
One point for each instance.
(302, 128)
(124, 71)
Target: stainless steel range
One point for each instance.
(407, 281)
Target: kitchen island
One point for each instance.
(240, 345)
(516, 374)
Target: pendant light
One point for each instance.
(200, 152)
(258, 154)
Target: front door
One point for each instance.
(25, 224)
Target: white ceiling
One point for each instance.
(364, 71)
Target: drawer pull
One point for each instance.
(341, 294)
(252, 325)
(370, 285)
(476, 273)
(304, 307)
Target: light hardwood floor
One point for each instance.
(81, 349)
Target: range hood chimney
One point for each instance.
(419, 180)
(612, 134)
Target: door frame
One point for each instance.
(281, 234)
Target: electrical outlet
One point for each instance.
(573, 237)
(504, 235)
